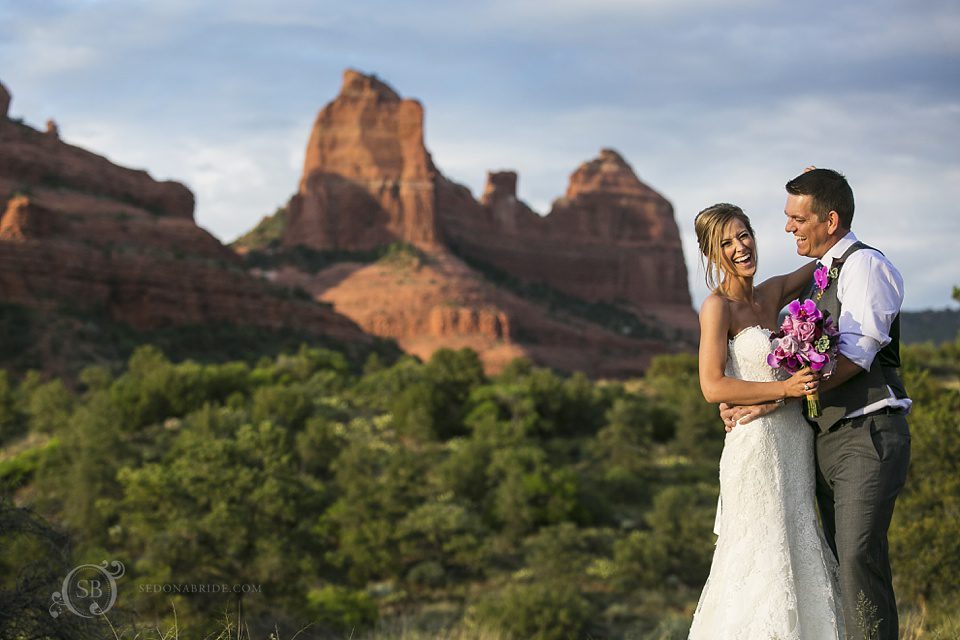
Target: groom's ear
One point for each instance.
(833, 222)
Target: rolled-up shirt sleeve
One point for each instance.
(871, 293)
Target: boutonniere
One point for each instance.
(822, 277)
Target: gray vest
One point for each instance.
(866, 387)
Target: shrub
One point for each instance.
(536, 611)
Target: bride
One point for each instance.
(773, 575)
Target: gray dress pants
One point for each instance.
(861, 467)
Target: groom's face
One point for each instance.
(812, 236)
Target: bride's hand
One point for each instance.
(803, 383)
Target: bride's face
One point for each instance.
(739, 249)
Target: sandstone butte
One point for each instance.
(369, 181)
(80, 232)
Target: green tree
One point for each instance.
(231, 509)
(34, 558)
(47, 405)
(287, 404)
(11, 421)
(153, 389)
(536, 611)
(621, 452)
(677, 542)
(441, 541)
(377, 481)
(454, 374)
(82, 471)
(923, 533)
(675, 383)
(529, 492)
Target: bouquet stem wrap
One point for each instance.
(813, 405)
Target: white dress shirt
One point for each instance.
(870, 290)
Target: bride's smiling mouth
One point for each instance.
(744, 260)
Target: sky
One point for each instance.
(708, 100)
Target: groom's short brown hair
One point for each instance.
(829, 191)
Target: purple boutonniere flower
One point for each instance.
(822, 277)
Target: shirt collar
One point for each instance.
(837, 250)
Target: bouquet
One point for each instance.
(805, 339)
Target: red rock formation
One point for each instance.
(367, 177)
(4, 101)
(369, 181)
(611, 238)
(29, 157)
(22, 221)
(442, 302)
(79, 231)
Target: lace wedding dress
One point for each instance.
(773, 575)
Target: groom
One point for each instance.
(862, 437)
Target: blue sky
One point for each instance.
(709, 101)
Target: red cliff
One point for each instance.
(80, 232)
(369, 182)
(367, 177)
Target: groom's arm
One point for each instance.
(732, 414)
(871, 292)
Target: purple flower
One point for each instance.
(792, 364)
(801, 332)
(810, 311)
(816, 360)
(822, 277)
(805, 330)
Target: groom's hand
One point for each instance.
(732, 414)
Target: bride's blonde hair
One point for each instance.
(709, 225)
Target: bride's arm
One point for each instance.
(789, 286)
(717, 387)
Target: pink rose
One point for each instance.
(788, 344)
(805, 330)
(787, 325)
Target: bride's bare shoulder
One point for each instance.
(714, 302)
(715, 310)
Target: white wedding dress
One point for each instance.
(773, 575)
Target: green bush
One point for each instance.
(536, 611)
(342, 609)
(677, 544)
(19, 469)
